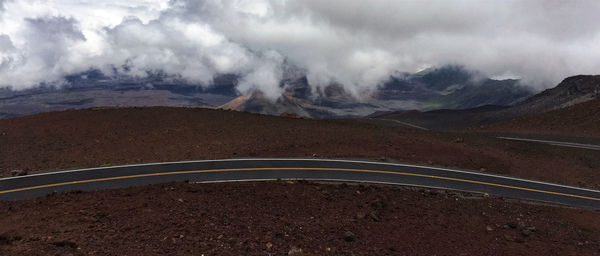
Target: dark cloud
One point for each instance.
(356, 43)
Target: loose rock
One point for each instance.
(65, 243)
(295, 252)
(349, 236)
(18, 173)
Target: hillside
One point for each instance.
(581, 119)
(570, 91)
(451, 87)
(444, 119)
(279, 217)
(112, 136)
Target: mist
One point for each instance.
(357, 44)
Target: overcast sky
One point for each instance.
(353, 42)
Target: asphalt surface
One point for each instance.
(556, 143)
(31, 186)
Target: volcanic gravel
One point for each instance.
(581, 120)
(113, 136)
(281, 218)
(276, 218)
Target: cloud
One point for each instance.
(355, 43)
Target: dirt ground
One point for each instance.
(112, 136)
(280, 218)
(582, 120)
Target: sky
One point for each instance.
(356, 43)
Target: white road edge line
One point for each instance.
(556, 143)
(309, 159)
(404, 123)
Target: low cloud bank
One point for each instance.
(358, 44)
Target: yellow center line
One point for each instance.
(298, 169)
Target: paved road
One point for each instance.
(403, 123)
(556, 143)
(36, 185)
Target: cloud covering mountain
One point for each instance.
(355, 43)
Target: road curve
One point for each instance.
(31, 186)
(555, 143)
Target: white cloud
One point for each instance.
(353, 42)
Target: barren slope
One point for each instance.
(578, 120)
(96, 137)
(272, 218)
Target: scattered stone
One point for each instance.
(360, 215)
(377, 203)
(65, 243)
(482, 169)
(295, 251)
(349, 236)
(269, 245)
(373, 216)
(18, 173)
(525, 232)
(459, 140)
(509, 238)
(489, 228)
(7, 239)
(192, 190)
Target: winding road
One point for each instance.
(31, 186)
(555, 143)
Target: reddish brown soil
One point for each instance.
(97, 137)
(578, 120)
(271, 218)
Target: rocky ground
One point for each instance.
(291, 218)
(582, 120)
(104, 137)
(281, 218)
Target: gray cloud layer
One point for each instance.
(353, 42)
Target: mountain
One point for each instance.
(331, 102)
(570, 91)
(95, 89)
(451, 87)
